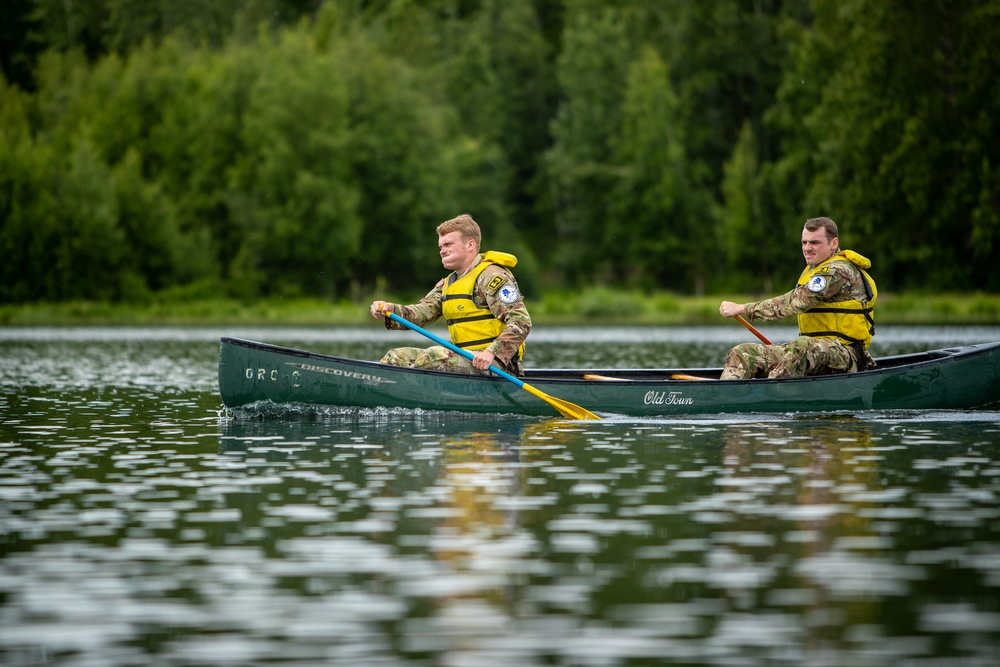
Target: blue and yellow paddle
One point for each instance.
(565, 408)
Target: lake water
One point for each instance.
(141, 523)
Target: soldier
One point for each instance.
(479, 300)
(834, 300)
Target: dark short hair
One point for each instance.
(826, 224)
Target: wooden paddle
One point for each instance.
(753, 330)
(673, 376)
(602, 378)
(565, 408)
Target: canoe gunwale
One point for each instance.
(884, 365)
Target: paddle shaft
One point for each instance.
(451, 346)
(753, 330)
(565, 408)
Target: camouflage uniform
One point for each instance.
(514, 316)
(804, 355)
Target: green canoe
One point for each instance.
(959, 378)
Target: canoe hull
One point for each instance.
(955, 378)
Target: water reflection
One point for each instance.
(769, 542)
(142, 524)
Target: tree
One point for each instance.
(26, 205)
(753, 241)
(160, 255)
(649, 225)
(296, 200)
(591, 71)
(906, 138)
(87, 246)
(20, 42)
(525, 100)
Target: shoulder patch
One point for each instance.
(816, 284)
(494, 284)
(509, 294)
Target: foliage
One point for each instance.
(308, 148)
(650, 222)
(904, 136)
(592, 70)
(590, 306)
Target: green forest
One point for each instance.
(308, 148)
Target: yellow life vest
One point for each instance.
(852, 321)
(472, 327)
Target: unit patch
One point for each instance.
(816, 284)
(495, 283)
(508, 294)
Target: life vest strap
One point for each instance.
(481, 341)
(831, 334)
(475, 318)
(862, 311)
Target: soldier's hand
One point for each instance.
(730, 309)
(379, 309)
(483, 359)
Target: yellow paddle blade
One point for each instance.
(565, 408)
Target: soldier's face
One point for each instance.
(816, 248)
(456, 253)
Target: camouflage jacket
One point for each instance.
(844, 282)
(517, 321)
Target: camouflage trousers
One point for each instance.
(801, 357)
(439, 358)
